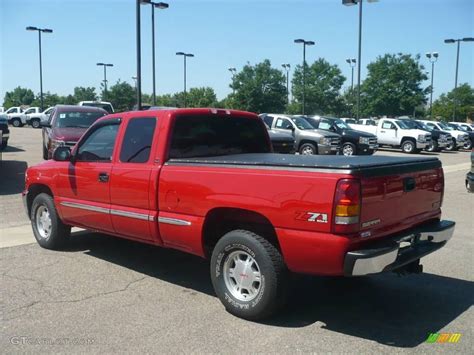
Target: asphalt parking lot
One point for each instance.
(106, 295)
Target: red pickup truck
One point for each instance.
(206, 182)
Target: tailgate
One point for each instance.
(397, 202)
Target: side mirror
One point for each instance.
(45, 124)
(62, 154)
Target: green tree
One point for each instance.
(464, 95)
(393, 86)
(323, 85)
(196, 97)
(51, 100)
(259, 88)
(18, 97)
(121, 95)
(84, 94)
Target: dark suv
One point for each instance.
(353, 142)
(66, 125)
(4, 130)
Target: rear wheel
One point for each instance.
(16, 122)
(248, 275)
(451, 146)
(50, 232)
(409, 146)
(35, 123)
(308, 149)
(349, 149)
(468, 145)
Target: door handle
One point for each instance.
(103, 177)
(382, 131)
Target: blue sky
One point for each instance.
(221, 34)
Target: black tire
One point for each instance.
(59, 232)
(35, 123)
(16, 122)
(409, 146)
(308, 149)
(349, 149)
(433, 147)
(468, 145)
(451, 147)
(45, 153)
(3, 145)
(273, 285)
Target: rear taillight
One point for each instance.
(441, 177)
(347, 206)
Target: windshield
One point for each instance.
(424, 126)
(445, 126)
(410, 124)
(464, 128)
(403, 125)
(77, 119)
(106, 107)
(302, 122)
(341, 124)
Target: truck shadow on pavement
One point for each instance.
(391, 310)
(12, 176)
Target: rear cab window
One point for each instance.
(137, 141)
(208, 135)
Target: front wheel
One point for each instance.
(451, 147)
(35, 123)
(308, 149)
(409, 147)
(348, 149)
(16, 122)
(468, 145)
(50, 232)
(433, 147)
(248, 275)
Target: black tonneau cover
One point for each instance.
(367, 165)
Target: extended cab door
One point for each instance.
(134, 182)
(387, 133)
(84, 185)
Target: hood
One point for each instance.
(319, 133)
(68, 134)
(420, 132)
(280, 136)
(356, 134)
(456, 133)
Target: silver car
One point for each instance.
(309, 141)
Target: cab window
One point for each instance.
(283, 123)
(136, 146)
(388, 125)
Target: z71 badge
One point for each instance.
(312, 217)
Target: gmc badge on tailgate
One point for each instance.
(312, 217)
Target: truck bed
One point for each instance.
(366, 166)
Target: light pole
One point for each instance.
(105, 65)
(287, 67)
(162, 6)
(465, 39)
(432, 57)
(350, 3)
(352, 63)
(233, 71)
(185, 55)
(139, 57)
(45, 30)
(305, 43)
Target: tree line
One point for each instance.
(393, 87)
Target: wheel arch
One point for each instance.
(222, 220)
(306, 140)
(33, 191)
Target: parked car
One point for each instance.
(36, 119)
(203, 181)
(16, 117)
(439, 139)
(470, 175)
(353, 142)
(4, 130)
(465, 128)
(348, 120)
(395, 133)
(107, 106)
(31, 110)
(366, 122)
(309, 140)
(282, 142)
(67, 123)
(459, 137)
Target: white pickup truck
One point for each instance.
(16, 117)
(35, 119)
(395, 133)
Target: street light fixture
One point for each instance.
(287, 68)
(233, 72)
(161, 6)
(105, 65)
(185, 55)
(40, 30)
(304, 43)
(352, 63)
(432, 57)
(350, 3)
(465, 39)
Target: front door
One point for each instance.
(84, 185)
(388, 133)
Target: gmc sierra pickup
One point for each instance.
(205, 181)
